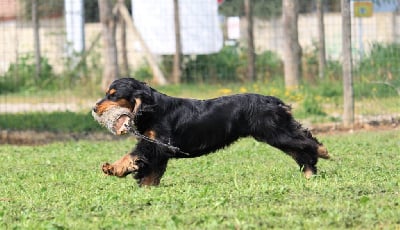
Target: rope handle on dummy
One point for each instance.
(120, 120)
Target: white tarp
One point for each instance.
(199, 23)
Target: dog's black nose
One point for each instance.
(94, 109)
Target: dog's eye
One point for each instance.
(111, 94)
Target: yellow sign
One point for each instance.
(363, 9)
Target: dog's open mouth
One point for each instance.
(116, 119)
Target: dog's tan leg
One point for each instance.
(308, 172)
(152, 176)
(122, 167)
(151, 180)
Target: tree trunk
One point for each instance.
(251, 57)
(348, 95)
(292, 49)
(108, 22)
(158, 76)
(36, 37)
(176, 75)
(321, 39)
(124, 64)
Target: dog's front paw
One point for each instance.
(121, 168)
(108, 169)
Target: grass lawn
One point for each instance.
(248, 186)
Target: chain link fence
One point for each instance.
(75, 72)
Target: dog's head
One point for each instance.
(127, 93)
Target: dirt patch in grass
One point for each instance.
(391, 123)
(38, 138)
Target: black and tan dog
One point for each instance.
(199, 127)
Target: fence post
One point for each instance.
(176, 75)
(251, 59)
(348, 94)
(36, 35)
(292, 49)
(124, 60)
(321, 39)
(108, 23)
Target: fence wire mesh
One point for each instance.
(75, 77)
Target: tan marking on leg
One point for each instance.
(323, 152)
(122, 167)
(151, 180)
(153, 177)
(308, 173)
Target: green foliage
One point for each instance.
(92, 9)
(382, 62)
(246, 186)
(333, 70)
(46, 8)
(380, 66)
(21, 75)
(229, 65)
(206, 68)
(267, 9)
(81, 72)
(309, 66)
(219, 67)
(312, 106)
(324, 88)
(78, 74)
(261, 8)
(143, 73)
(53, 122)
(374, 76)
(268, 66)
(52, 8)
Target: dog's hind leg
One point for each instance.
(299, 144)
(277, 127)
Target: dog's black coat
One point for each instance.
(199, 127)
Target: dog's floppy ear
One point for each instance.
(142, 98)
(144, 95)
(138, 93)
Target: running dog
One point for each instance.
(198, 127)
